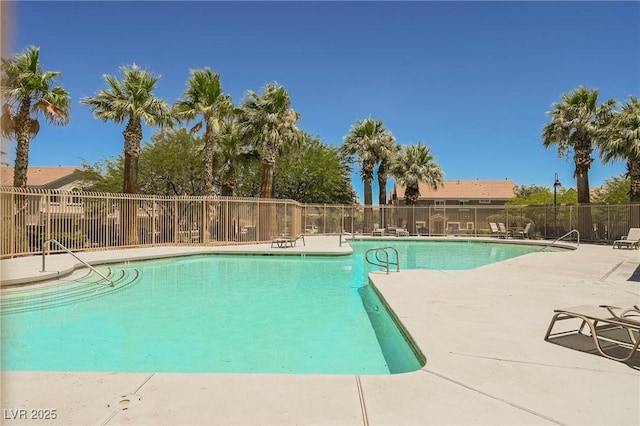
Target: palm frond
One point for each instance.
(130, 96)
(196, 128)
(7, 125)
(34, 127)
(25, 83)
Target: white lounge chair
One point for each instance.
(401, 232)
(503, 230)
(494, 230)
(377, 231)
(631, 240)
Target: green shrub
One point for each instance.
(71, 240)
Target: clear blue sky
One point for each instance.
(473, 80)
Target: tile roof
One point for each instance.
(465, 189)
(38, 176)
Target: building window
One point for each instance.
(469, 226)
(75, 199)
(453, 226)
(463, 202)
(485, 201)
(439, 204)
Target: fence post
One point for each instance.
(324, 217)
(175, 219)
(608, 233)
(475, 221)
(47, 226)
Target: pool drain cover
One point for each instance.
(124, 402)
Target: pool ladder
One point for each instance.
(382, 258)
(53, 240)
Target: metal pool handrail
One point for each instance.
(565, 235)
(384, 262)
(53, 240)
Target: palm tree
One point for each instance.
(269, 122)
(28, 91)
(621, 140)
(204, 98)
(233, 153)
(363, 142)
(415, 164)
(130, 99)
(387, 153)
(575, 125)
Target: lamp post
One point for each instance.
(556, 184)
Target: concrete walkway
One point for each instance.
(480, 330)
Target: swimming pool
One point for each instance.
(220, 313)
(262, 314)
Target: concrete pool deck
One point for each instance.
(481, 331)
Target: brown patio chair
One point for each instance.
(599, 319)
(285, 241)
(524, 233)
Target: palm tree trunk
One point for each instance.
(382, 190)
(269, 156)
(22, 123)
(582, 180)
(382, 182)
(269, 228)
(583, 162)
(130, 185)
(411, 195)
(368, 191)
(226, 189)
(132, 138)
(367, 179)
(634, 174)
(266, 182)
(207, 187)
(634, 192)
(129, 221)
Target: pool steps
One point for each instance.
(67, 292)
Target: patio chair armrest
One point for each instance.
(611, 308)
(634, 310)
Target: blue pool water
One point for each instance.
(445, 255)
(240, 314)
